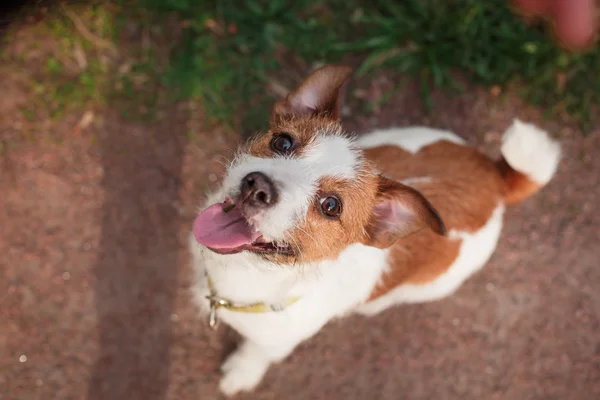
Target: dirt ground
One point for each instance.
(94, 273)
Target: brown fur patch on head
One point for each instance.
(320, 237)
(314, 107)
(302, 130)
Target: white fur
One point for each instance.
(411, 139)
(327, 290)
(475, 250)
(243, 369)
(529, 150)
(296, 179)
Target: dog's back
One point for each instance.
(468, 190)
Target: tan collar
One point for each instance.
(217, 302)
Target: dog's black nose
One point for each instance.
(258, 190)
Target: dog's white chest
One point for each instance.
(326, 290)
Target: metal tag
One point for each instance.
(215, 303)
(212, 316)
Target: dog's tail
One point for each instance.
(529, 160)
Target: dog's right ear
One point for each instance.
(319, 94)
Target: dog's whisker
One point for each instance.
(309, 235)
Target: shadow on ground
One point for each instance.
(138, 262)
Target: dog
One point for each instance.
(311, 223)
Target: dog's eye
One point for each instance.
(331, 206)
(282, 143)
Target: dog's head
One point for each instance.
(303, 191)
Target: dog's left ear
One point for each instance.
(319, 93)
(400, 210)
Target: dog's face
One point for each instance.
(303, 192)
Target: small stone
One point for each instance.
(174, 317)
(22, 358)
(66, 276)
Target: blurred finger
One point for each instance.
(576, 22)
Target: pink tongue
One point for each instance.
(217, 229)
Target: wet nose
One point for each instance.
(258, 190)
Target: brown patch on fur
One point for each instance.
(303, 131)
(462, 184)
(518, 185)
(324, 238)
(313, 107)
(417, 259)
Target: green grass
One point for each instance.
(72, 76)
(228, 50)
(81, 67)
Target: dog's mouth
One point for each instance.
(224, 229)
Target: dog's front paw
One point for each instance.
(243, 370)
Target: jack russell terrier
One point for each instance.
(312, 223)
